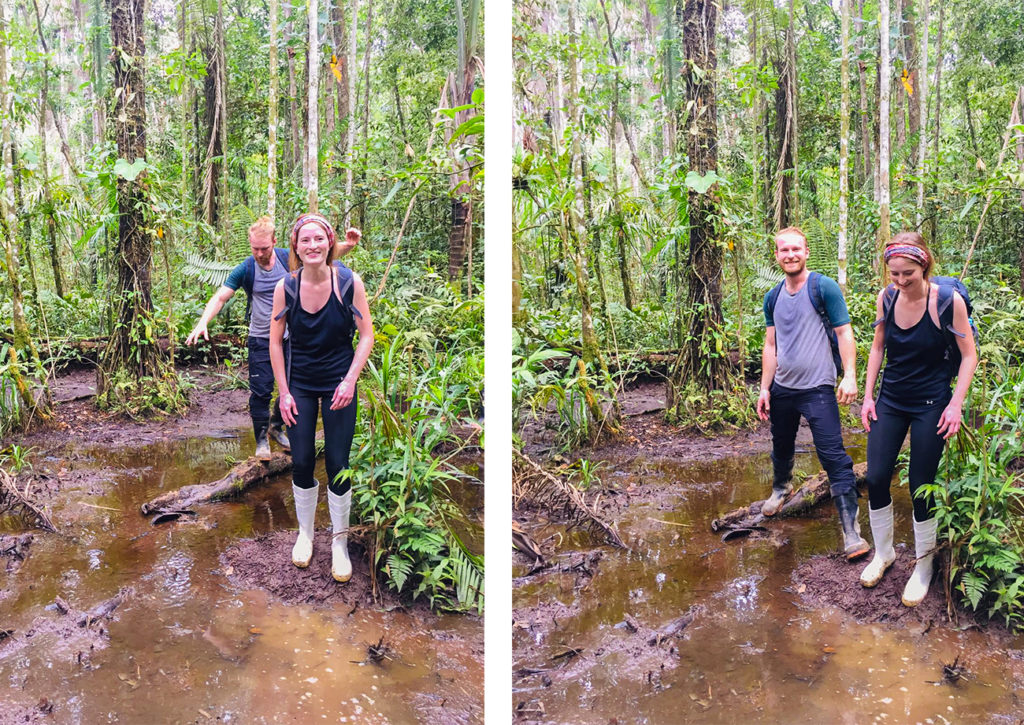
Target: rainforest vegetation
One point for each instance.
(659, 146)
(140, 140)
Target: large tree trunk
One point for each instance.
(131, 349)
(272, 117)
(313, 106)
(844, 143)
(26, 224)
(884, 78)
(702, 361)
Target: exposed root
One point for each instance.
(21, 504)
(532, 485)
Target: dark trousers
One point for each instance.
(884, 443)
(819, 407)
(261, 386)
(339, 427)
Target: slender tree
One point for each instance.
(313, 106)
(884, 77)
(272, 117)
(922, 112)
(844, 143)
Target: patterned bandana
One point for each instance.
(915, 254)
(317, 219)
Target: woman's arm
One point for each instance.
(277, 327)
(867, 410)
(949, 423)
(346, 389)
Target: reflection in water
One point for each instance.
(185, 647)
(751, 654)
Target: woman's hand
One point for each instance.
(343, 395)
(289, 411)
(949, 422)
(867, 412)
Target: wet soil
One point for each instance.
(213, 632)
(771, 628)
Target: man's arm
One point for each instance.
(847, 392)
(346, 245)
(769, 362)
(219, 298)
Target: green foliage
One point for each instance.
(15, 458)
(716, 411)
(136, 397)
(979, 506)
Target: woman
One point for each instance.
(323, 303)
(914, 395)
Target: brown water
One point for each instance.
(751, 654)
(189, 647)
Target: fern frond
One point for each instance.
(206, 270)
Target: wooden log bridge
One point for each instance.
(815, 490)
(241, 477)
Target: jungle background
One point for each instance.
(140, 141)
(659, 145)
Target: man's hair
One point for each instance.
(791, 230)
(262, 227)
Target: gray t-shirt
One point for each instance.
(263, 297)
(803, 352)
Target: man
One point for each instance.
(258, 276)
(798, 377)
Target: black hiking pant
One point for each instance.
(261, 386)
(339, 427)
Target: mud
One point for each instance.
(13, 551)
(265, 563)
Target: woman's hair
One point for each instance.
(262, 227)
(910, 245)
(293, 257)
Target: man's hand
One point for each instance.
(764, 404)
(199, 329)
(352, 237)
(847, 392)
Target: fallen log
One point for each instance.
(799, 502)
(104, 609)
(244, 475)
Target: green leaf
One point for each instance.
(701, 184)
(130, 172)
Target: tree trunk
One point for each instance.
(22, 346)
(350, 103)
(702, 360)
(222, 100)
(339, 35)
(186, 89)
(844, 143)
(914, 71)
(295, 157)
(588, 211)
(884, 77)
(364, 192)
(26, 224)
(938, 125)
(793, 89)
(131, 350)
(865, 116)
(97, 87)
(241, 477)
(272, 118)
(49, 214)
(922, 113)
(313, 106)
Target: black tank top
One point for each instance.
(321, 343)
(916, 377)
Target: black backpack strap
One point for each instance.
(248, 281)
(889, 296)
(346, 279)
(944, 305)
(291, 287)
(814, 291)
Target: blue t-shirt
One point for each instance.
(262, 298)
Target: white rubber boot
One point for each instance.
(305, 512)
(340, 507)
(885, 554)
(924, 541)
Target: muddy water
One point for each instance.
(187, 646)
(751, 654)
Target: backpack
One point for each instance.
(814, 292)
(944, 305)
(249, 280)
